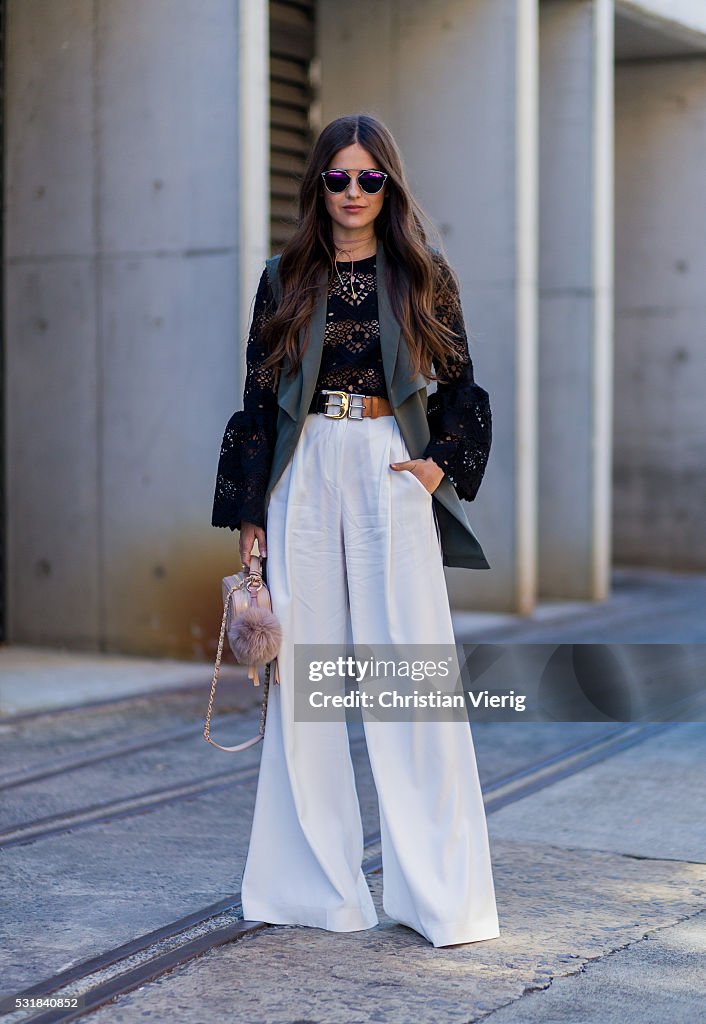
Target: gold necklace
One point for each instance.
(350, 281)
(352, 263)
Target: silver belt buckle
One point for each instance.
(352, 406)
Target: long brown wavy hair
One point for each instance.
(418, 274)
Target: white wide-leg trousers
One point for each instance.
(353, 551)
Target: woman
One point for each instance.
(350, 483)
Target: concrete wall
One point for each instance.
(455, 82)
(660, 359)
(122, 317)
(685, 18)
(575, 280)
(136, 225)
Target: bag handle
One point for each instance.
(255, 567)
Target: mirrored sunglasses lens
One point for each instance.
(371, 181)
(336, 181)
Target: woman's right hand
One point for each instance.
(249, 533)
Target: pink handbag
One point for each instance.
(254, 635)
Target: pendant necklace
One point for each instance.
(352, 277)
(350, 282)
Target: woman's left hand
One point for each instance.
(426, 471)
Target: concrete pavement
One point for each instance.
(600, 875)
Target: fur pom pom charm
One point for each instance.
(255, 636)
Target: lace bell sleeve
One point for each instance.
(248, 442)
(458, 412)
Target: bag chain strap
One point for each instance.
(254, 577)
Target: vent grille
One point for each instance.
(293, 98)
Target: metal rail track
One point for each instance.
(195, 689)
(124, 807)
(109, 752)
(22, 833)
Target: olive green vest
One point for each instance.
(408, 398)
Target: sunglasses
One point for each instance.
(337, 180)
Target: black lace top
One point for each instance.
(458, 412)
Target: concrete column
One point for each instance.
(253, 186)
(123, 320)
(456, 83)
(576, 259)
(660, 418)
